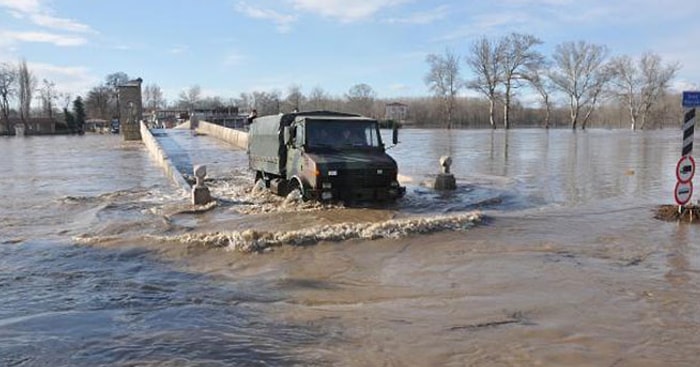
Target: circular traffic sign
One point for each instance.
(683, 192)
(685, 169)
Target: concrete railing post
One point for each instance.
(200, 192)
(445, 180)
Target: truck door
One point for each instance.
(295, 150)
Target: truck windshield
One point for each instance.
(343, 134)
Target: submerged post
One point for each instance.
(445, 180)
(200, 192)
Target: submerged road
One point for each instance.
(187, 148)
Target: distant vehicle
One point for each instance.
(114, 127)
(326, 156)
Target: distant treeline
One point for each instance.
(474, 113)
(578, 86)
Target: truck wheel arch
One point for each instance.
(297, 183)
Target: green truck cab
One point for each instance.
(326, 156)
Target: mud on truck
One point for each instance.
(326, 156)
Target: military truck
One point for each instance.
(324, 155)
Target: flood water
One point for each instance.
(102, 262)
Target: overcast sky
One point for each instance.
(232, 46)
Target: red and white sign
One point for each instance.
(685, 169)
(683, 192)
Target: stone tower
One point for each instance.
(130, 109)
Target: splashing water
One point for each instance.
(253, 241)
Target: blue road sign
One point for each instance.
(691, 99)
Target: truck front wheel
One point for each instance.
(296, 189)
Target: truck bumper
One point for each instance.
(358, 194)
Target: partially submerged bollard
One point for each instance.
(200, 192)
(445, 180)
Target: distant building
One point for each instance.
(396, 111)
(35, 126)
(225, 116)
(96, 125)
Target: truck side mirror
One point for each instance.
(286, 135)
(394, 133)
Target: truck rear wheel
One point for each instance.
(261, 181)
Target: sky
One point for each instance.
(228, 47)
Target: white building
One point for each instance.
(396, 111)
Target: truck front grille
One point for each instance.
(362, 179)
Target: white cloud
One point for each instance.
(178, 50)
(41, 15)
(425, 17)
(10, 37)
(490, 23)
(234, 58)
(343, 10)
(64, 24)
(400, 88)
(284, 22)
(21, 6)
(684, 85)
(123, 47)
(69, 79)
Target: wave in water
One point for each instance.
(255, 241)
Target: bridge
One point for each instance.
(179, 150)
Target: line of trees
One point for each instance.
(578, 85)
(18, 84)
(579, 73)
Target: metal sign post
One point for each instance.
(685, 169)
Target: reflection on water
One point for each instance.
(560, 167)
(568, 267)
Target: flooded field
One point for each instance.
(547, 254)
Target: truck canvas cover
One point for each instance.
(266, 148)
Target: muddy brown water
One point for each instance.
(102, 264)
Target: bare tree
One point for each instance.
(267, 103)
(536, 76)
(153, 97)
(578, 74)
(518, 56)
(8, 77)
(212, 103)
(485, 60)
(295, 98)
(360, 99)
(444, 81)
(601, 78)
(318, 99)
(66, 98)
(47, 95)
(244, 102)
(113, 81)
(641, 86)
(27, 84)
(97, 102)
(191, 97)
